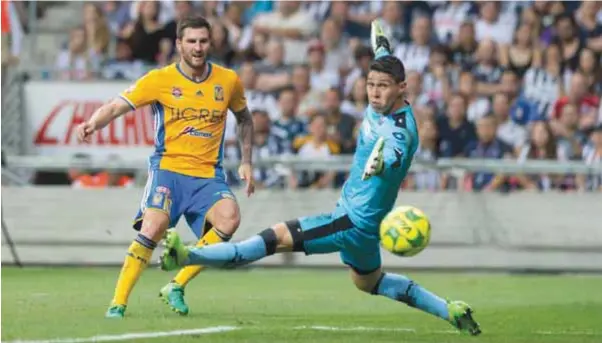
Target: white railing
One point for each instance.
(335, 163)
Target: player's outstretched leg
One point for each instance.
(405, 290)
(224, 255)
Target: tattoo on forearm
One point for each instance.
(245, 134)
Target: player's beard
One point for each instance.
(198, 67)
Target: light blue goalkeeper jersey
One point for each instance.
(368, 201)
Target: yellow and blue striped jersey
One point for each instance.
(189, 117)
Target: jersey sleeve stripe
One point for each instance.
(128, 101)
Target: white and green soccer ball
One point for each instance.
(405, 231)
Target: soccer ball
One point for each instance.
(405, 231)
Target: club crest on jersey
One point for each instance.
(199, 93)
(176, 92)
(218, 93)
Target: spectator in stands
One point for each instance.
(392, 14)
(287, 126)
(309, 99)
(464, 46)
(336, 47)
(321, 78)
(290, 24)
(123, 66)
(487, 71)
(221, 51)
(363, 57)
(317, 9)
(117, 14)
(145, 34)
(430, 180)
(355, 104)
(455, 132)
(267, 144)
(415, 93)
(478, 106)
(522, 54)
(166, 13)
(590, 66)
(438, 76)
(578, 95)
(541, 147)
(569, 40)
(97, 30)
(487, 146)
(315, 146)
(273, 71)
(415, 53)
(238, 35)
(256, 99)
(211, 10)
(340, 125)
(256, 49)
(570, 139)
(522, 111)
(182, 9)
(448, 19)
(508, 131)
(589, 24)
(531, 18)
(592, 154)
(493, 25)
(543, 85)
(350, 24)
(77, 62)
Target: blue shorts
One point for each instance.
(177, 194)
(334, 232)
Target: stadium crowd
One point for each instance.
(497, 80)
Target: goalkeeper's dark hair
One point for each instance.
(192, 22)
(390, 65)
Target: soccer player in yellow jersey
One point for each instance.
(190, 100)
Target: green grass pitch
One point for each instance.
(270, 305)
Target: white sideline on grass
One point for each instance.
(364, 328)
(131, 336)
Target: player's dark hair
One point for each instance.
(192, 22)
(390, 65)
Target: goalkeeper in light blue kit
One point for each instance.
(386, 145)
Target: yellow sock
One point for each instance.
(190, 272)
(138, 257)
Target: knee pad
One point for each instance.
(294, 227)
(270, 240)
